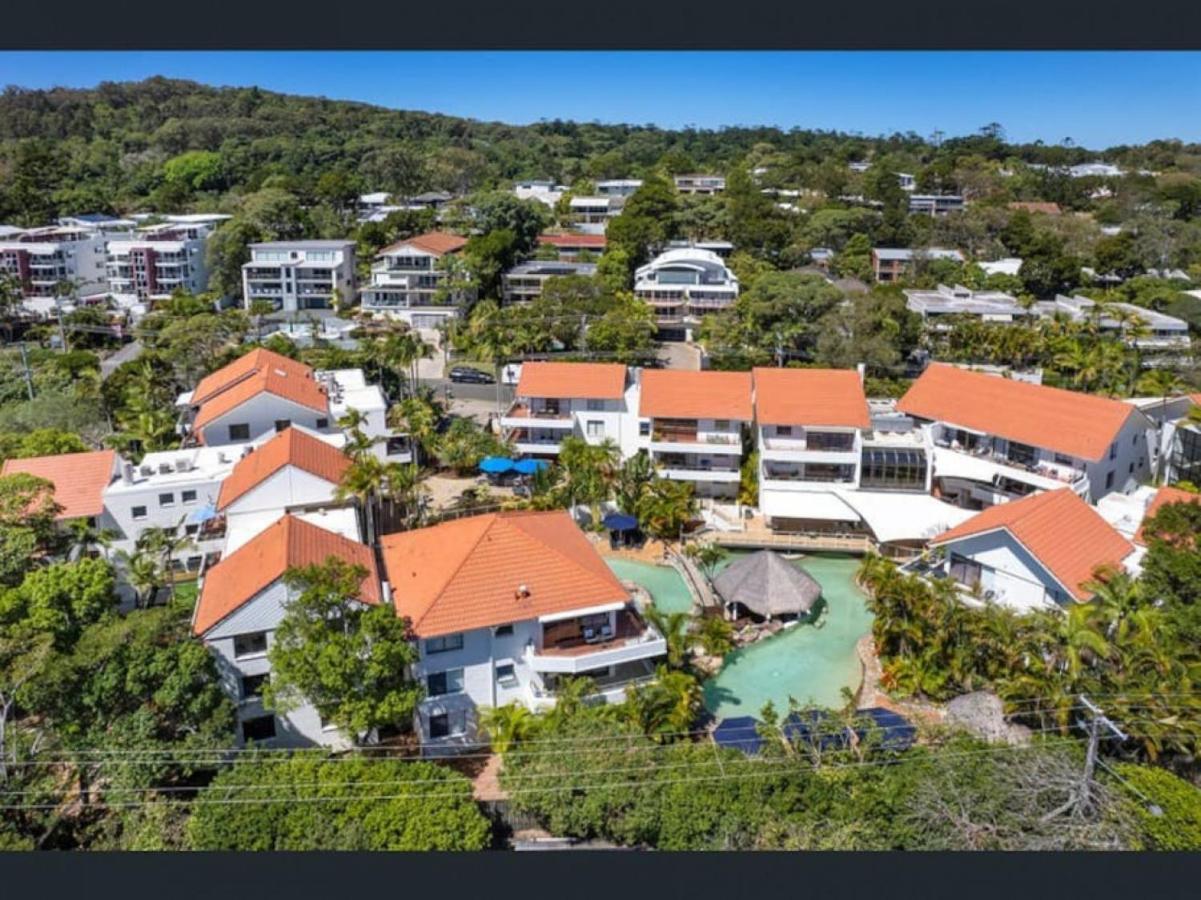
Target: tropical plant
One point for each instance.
(507, 726)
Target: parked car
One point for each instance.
(468, 375)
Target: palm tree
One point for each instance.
(362, 481)
(716, 635)
(508, 725)
(167, 544)
(1163, 383)
(144, 574)
(401, 487)
(590, 471)
(674, 628)
(418, 416)
(707, 556)
(84, 535)
(633, 479)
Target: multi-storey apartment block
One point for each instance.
(43, 261)
(408, 283)
(996, 439)
(570, 245)
(700, 184)
(297, 275)
(693, 423)
(892, 264)
(935, 204)
(556, 400)
(504, 606)
(155, 262)
(683, 285)
(525, 281)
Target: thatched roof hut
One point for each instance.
(768, 586)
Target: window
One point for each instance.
(251, 644)
(166, 499)
(138, 512)
(966, 571)
(506, 674)
(239, 432)
(503, 630)
(191, 529)
(784, 431)
(282, 424)
(721, 424)
(187, 496)
(252, 685)
(595, 428)
(260, 729)
(595, 405)
(1134, 439)
(396, 445)
(323, 423)
(1131, 468)
(1109, 480)
(448, 724)
(194, 562)
(1113, 450)
(448, 682)
(644, 428)
(443, 644)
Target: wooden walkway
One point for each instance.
(777, 540)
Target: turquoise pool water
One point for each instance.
(663, 583)
(807, 663)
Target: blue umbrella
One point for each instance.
(530, 466)
(739, 733)
(894, 731)
(495, 465)
(203, 514)
(619, 522)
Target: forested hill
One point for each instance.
(65, 151)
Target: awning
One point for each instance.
(782, 504)
(583, 611)
(899, 516)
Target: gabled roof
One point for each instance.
(594, 381)
(810, 397)
(79, 479)
(291, 447)
(295, 383)
(1081, 425)
(265, 558)
(1164, 497)
(470, 573)
(1066, 535)
(676, 393)
(244, 367)
(434, 242)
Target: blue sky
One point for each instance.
(1097, 99)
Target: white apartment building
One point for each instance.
(996, 439)
(244, 597)
(692, 424)
(407, 281)
(1037, 553)
(591, 214)
(935, 204)
(41, 260)
(348, 390)
(156, 262)
(700, 184)
(682, 285)
(618, 187)
(524, 282)
(503, 606)
(988, 306)
(298, 275)
(1163, 333)
(544, 191)
(556, 400)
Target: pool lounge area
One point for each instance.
(811, 663)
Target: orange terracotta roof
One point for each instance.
(300, 388)
(1051, 209)
(596, 381)
(290, 447)
(1163, 497)
(265, 558)
(1066, 535)
(79, 479)
(436, 242)
(832, 397)
(1081, 425)
(467, 573)
(243, 367)
(679, 394)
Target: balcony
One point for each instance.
(698, 473)
(522, 415)
(569, 647)
(666, 440)
(610, 688)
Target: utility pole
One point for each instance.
(28, 376)
(1097, 722)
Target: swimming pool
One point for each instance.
(807, 663)
(663, 583)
